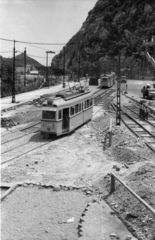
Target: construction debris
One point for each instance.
(7, 123)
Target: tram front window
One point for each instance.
(49, 115)
(104, 79)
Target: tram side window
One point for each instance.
(79, 107)
(72, 111)
(87, 103)
(60, 114)
(91, 102)
(48, 115)
(76, 108)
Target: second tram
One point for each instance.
(107, 80)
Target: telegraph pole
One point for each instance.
(47, 80)
(13, 78)
(79, 63)
(64, 70)
(25, 67)
(47, 68)
(118, 110)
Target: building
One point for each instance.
(29, 68)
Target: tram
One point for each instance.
(107, 80)
(63, 113)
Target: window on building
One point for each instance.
(72, 111)
(48, 115)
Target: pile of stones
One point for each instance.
(7, 123)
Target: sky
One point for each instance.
(40, 21)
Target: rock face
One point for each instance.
(110, 25)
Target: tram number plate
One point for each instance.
(51, 125)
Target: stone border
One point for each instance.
(56, 188)
(11, 189)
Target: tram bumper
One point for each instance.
(49, 128)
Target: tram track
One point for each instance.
(105, 97)
(23, 151)
(135, 109)
(19, 144)
(19, 134)
(139, 128)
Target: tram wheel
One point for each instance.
(46, 136)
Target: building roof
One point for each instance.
(34, 72)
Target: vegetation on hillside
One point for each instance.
(111, 25)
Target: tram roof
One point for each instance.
(61, 102)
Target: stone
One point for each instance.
(117, 169)
(113, 235)
(128, 238)
(56, 188)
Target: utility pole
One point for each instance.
(47, 80)
(13, 78)
(118, 110)
(25, 67)
(79, 62)
(64, 84)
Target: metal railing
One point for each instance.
(113, 177)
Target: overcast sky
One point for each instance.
(42, 21)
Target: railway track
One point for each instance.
(20, 134)
(140, 128)
(104, 98)
(20, 143)
(135, 109)
(23, 149)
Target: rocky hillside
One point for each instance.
(110, 25)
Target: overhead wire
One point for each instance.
(6, 51)
(32, 55)
(40, 43)
(32, 42)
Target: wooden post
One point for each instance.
(112, 184)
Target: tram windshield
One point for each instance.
(104, 79)
(49, 115)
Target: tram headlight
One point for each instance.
(48, 129)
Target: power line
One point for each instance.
(6, 52)
(37, 47)
(32, 42)
(42, 43)
(32, 55)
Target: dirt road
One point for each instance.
(77, 169)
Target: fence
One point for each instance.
(131, 191)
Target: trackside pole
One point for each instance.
(13, 78)
(108, 135)
(118, 110)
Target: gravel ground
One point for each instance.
(39, 213)
(77, 160)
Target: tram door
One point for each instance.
(65, 123)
